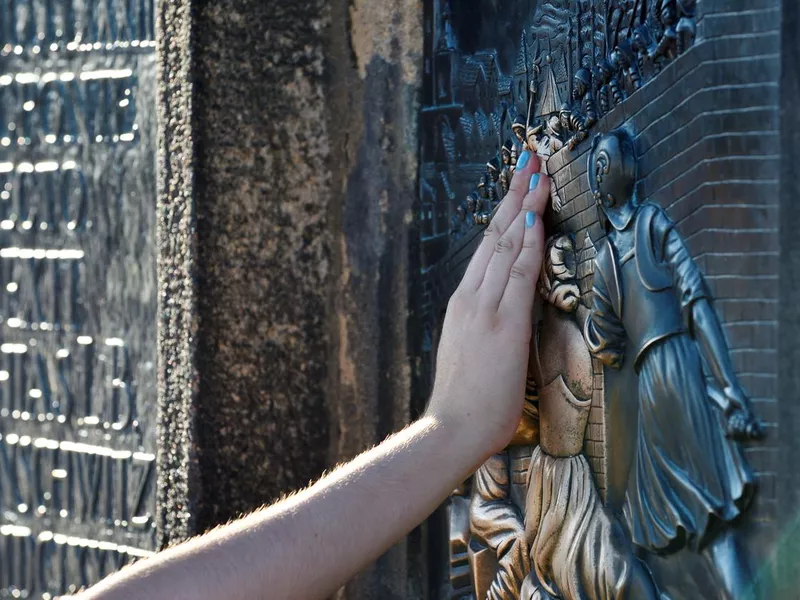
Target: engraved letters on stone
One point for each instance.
(77, 302)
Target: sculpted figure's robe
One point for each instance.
(688, 480)
(578, 550)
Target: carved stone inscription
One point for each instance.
(77, 302)
(643, 466)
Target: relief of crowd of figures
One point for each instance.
(77, 308)
(531, 522)
(576, 62)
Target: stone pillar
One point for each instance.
(287, 162)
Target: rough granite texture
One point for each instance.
(288, 165)
(178, 481)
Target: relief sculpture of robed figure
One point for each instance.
(577, 548)
(538, 525)
(688, 483)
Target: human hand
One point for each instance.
(492, 311)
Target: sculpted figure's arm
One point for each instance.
(704, 326)
(603, 331)
(309, 544)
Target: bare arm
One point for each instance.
(308, 545)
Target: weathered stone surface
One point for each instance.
(289, 165)
(177, 376)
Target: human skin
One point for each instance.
(312, 542)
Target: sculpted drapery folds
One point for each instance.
(497, 514)
(689, 481)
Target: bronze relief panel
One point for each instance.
(638, 467)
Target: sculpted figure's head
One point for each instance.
(581, 83)
(472, 202)
(621, 56)
(493, 169)
(667, 13)
(612, 176)
(603, 72)
(533, 137)
(641, 39)
(482, 191)
(518, 127)
(554, 125)
(505, 152)
(558, 279)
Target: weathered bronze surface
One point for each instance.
(635, 477)
(77, 306)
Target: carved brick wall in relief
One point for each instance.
(696, 87)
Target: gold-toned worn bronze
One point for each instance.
(539, 528)
(577, 547)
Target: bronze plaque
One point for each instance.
(78, 296)
(649, 466)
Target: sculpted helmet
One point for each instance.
(603, 71)
(493, 168)
(583, 82)
(519, 126)
(506, 150)
(612, 176)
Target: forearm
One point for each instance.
(707, 330)
(310, 544)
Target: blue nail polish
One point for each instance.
(523, 160)
(534, 182)
(530, 219)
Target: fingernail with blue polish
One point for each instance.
(534, 182)
(530, 219)
(523, 160)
